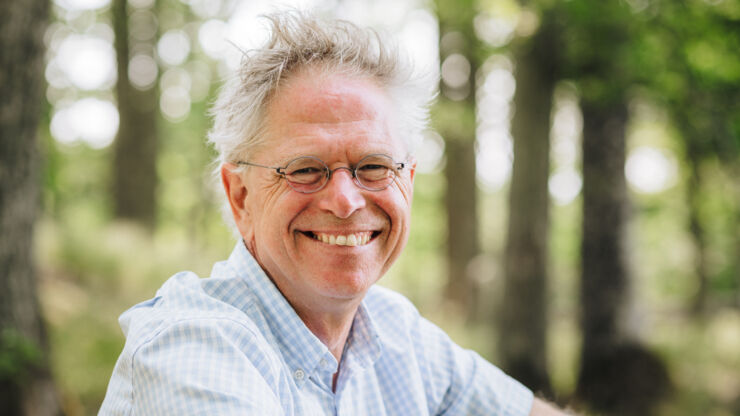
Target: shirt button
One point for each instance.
(299, 374)
(323, 362)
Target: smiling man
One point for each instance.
(315, 139)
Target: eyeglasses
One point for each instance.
(308, 174)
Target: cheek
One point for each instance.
(398, 210)
(277, 215)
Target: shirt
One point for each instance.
(231, 344)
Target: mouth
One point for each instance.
(352, 240)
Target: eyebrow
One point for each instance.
(287, 159)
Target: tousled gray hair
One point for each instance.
(300, 40)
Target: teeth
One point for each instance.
(352, 240)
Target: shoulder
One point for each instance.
(182, 301)
(455, 380)
(196, 362)
(207, 346)
(187, 337)
(394, 317)
(385, 303)
(400, 326)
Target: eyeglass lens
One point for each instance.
(309, 174)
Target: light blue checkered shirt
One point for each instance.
(232, 345)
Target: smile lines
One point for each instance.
(355, 239)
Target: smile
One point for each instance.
(355, 239)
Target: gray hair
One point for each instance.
(300, 40)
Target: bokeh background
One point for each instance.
(577, 209)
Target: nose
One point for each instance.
(341, 196)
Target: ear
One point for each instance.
(236, 192)
(412, 168)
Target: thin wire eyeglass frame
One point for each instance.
(280, 170)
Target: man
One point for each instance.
(314, 142)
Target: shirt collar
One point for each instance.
(302, 351)
(364, 341)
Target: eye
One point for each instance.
(305, 167)
(372, 166)
(310, 170)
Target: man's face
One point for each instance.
(339, 120)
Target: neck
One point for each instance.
(330, 324)
(329, 327)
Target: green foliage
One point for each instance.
(18, 356)
(598, 50)
(456, 14)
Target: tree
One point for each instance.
(134, 165)
(523, 322)
(617, 375)
(26, 387)
(455, 116)
(704, 106)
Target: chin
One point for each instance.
(347, 286)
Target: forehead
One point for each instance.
(317, 112)
(318, 96)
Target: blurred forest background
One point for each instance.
(577, 210)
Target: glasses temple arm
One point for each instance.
(279, 170)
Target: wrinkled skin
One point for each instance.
(338, 119)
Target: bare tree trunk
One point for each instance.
(462, 221)
(522, 316)
(618, 376)
(693, 197)
(459, 128)
(603, 252)
(134, 165)
(26, 388)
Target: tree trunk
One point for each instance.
(134, 165)
(456, 30)
(26, 386)
(617, 376)
(693, 197)
(522, 317)
(604, 283)
(462, 221)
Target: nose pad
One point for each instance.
(341, 196)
